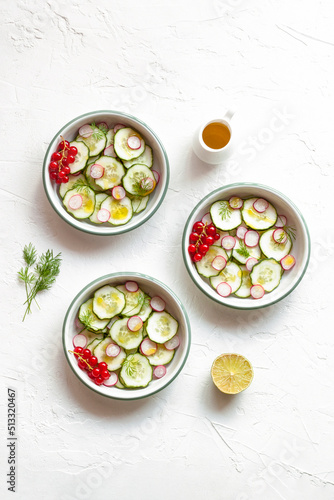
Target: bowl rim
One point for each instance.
(250, 185)
(120, 275)
(120, 229)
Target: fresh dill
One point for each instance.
(224, 210)
(98, 134)
(242, 250)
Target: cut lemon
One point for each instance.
(231, 373)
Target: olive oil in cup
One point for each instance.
(216, 135)
(212, 141)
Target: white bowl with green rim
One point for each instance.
(154, 288)
(161, 165)
(300, 250)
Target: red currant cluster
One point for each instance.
(60, 161)
(96, 371)
(202, 237)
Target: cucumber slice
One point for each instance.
(124, 337)
(146, 309)
(267, 273)
(88, 201)
(134, 176)
(108, 302)
(96, 142)
(204, 267)
(146, 158)
(121, 144)
(99, 198)
(81, 157)
(162, 356)
(244, 291)
(110, 137)
(231, 274)
(92, 336)
(92, 160)
(241, 252)
(161, 326)
(113, 172)
(93, 343)
(72, 179)
(89, 318)
(113, 363)
(139, 203)
(274, 250)
(120, 210)
(134, 301)
(224, 217)
(257, 220)
(136, 371)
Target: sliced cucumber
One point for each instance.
(121, 144)
(132, 181)
(244, 291)
(81, 157)
(241, 252)
(88, 201)
(113, 363)
(161, 326)
(134, 301)
(257, 220)
(139, 203)
(136, 371)
(162, 356)
(231, 274)
(124, 337)
(120, 210)
(204, 267)
(146, 158)
(108, 302)
(267, 273)
(110, 137)
(274, 250)
(89, 318)
(146, 309)
(96, 142)
(93, 343)
(93, 159)
(72, 179)
(113, 172)
(224, 217)
(99, 198)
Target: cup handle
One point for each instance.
(229, 114)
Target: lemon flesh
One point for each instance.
(231, 373)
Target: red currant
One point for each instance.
(53, 167)
(193, 238)
(192, 249)
(82, 364)
(65, 179)
(63, 145)
(211, 231)
(93, 361)
(197, 257)
(90, 375)
(99, 380)
(105, 374)
(103, 365)
(73, 150)
(66, 170)
(56, 157)
(198, 227)
(203, 249)
(96, 372)
(70, 159)
(53, 175)
(209, 240)
(64, 162)
(58, 179)
(78, 350)
(216, 236)
(86, 353)
(61, 174)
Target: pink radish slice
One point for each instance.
(281, 221)
(260, 205)
(206, 219)
(251, 238)
(241, 231)
(110, 151)
(85, 131)
(235, 202)
(224, 289)
(131, 286)
(80, 340)
(113, 350)
(250, 263)
(102, 124)
(159, 371)
(279, 235)
(103, 215)
(134, 142)
(148, 347)
(173, 343)
(147, 184)
(156, 176)
(257, 291)
(96, 171)
(288, 262)
(75, 202)
(158, 304)
(112, 380)
(118, 126)
(228, 242)
(77, 173)
(218, 263)
(134, 323)
(118, 192)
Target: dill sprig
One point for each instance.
(82, 187)
(225, 210)
(97, 132)
(291, 232)
(242, 250)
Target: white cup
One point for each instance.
(210, 155)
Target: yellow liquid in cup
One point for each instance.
(216, 135)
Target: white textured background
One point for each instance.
(172, 64)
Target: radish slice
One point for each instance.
(112, 321)
(241, 231)
(118, 126)
(159, 371)
(281, 221)
(207, 218)
(110, 151)
(112, 380)
(158, 304)
(235, 202)
(279, 235)
(173, 343)
(288, 262)
(156, 176)
(251, 238)
(257, 291)
(148, 347)
(224, 289)
(134, 142)
(96, 171)
(219, 263)
(80, 340)
(135, 323)
(228, 242)
(102, 124)
(250, 263)
(260, 205)
(103, 215)
(118, 192)
(85, 131)
(131, 286)
(75, 202)
(147, 184)
(113, 350)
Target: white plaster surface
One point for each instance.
(172, 64)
